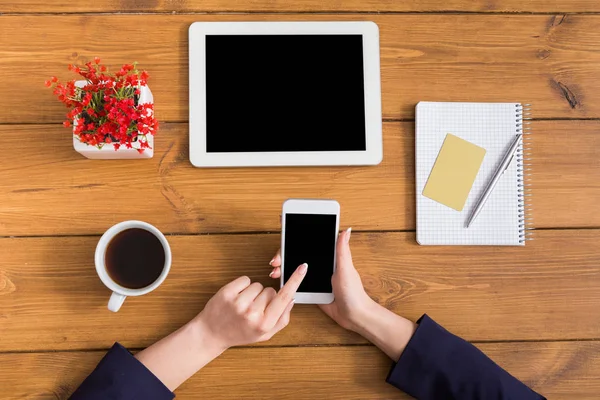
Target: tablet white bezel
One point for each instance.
(305, 206)
(197, 74)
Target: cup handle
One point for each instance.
(116, 301)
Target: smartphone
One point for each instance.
(309, 235)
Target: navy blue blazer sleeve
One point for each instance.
(439, 365)
(120, 376)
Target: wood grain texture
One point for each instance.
(52, 190)
(52, 300)
(548, 290)
(558, 370)
(55, 6)
(550, 61)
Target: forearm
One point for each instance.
(439, 365)
(180, 355)
(436, 364)
(385, 329)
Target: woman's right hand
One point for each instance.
(351, 302)
(353, 309)
(242, 312)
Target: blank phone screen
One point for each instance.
(310, 238)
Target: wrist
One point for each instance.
(385, 329)
(208, 342)
(180, 355)
(361, 320)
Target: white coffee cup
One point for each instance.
(120, 293)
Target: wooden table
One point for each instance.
(535, 310)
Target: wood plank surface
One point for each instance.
(56, 6)
(551, 61)
(558, 370)
(531, 309)
(52, 190)
(51, 297)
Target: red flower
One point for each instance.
(86, 99)
(105, 109)
(143, 77)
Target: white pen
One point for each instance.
(497, 175)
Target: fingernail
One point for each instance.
(348, 234)
(303, 268)
(271, 262)
(271, 274)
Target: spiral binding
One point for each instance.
(523, 125)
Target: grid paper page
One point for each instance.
(493, 127)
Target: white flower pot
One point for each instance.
(107, 151)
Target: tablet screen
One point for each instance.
(284, 93)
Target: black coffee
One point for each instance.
(134, 258)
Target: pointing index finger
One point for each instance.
(285, 295)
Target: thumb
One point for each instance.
(344, 256)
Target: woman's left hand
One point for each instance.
(352, 304)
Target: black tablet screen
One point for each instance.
(270, 93)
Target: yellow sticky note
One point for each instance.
(454, 172)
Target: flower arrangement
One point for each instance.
(105, 108)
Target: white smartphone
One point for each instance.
(309, 235)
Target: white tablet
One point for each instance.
(284, 93)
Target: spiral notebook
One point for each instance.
(492, 126)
